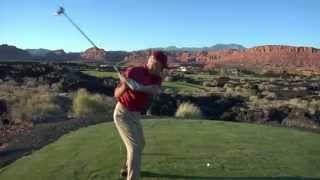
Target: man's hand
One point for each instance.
(120, 90)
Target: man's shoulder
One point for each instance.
(135, 70)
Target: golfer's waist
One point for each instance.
(128, 108)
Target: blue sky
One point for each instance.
(140, 24)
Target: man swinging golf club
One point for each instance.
(136, 87)
(133, 93)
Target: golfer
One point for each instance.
(133, 94)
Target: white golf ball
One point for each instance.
(208, 164)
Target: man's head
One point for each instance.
(157, 62)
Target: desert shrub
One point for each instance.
(298, 103)
(299, 89)
(216, 89)
(35, 107)
(248, 92)
(30, 82)
(312, 106)
(188, 110)
(254, 99)
(228, 85)
(229, 91)
(297, 78)
(223, 72)
(300, 123)
(269, 87)
(269, 94)
(207, 84)
(28, 104)
(272, 80)
(239, 91)
(90, 105)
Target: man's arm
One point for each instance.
(135, 86)
(151, 89)
(120, 89)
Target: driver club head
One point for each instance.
(59, 11)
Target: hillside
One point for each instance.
(8, 52)
(270, 57)
(273, 57)
(216, 47)
(177, 149)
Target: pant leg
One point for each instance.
(130, 130)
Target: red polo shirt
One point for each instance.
(134, 100)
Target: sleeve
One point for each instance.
(130, 73)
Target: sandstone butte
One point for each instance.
(269, 57)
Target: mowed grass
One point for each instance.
(100, 74)
(177, 149)
(184, 87)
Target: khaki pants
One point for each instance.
(131, 132)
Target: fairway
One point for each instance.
(101, 74)
(177, 149)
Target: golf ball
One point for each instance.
(208, 164)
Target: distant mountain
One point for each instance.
(268, 57)
(38, 52)
(57, 55)
(13, 53)
(216, 47)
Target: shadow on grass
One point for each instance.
(10, 152)
(147, 174)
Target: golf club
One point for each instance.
(61, 11)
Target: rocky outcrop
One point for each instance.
(269, 57)
(94, 54)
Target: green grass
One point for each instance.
(202, 77)
(177, 149)
(184, 87)
(100, 74)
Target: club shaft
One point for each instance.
(78, 28)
